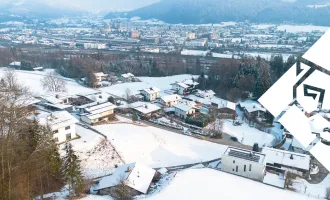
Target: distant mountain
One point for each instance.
(33, 8)
(214, 11)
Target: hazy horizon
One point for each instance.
(87, 5)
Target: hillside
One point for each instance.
(214, 11)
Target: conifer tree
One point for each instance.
(72, 170)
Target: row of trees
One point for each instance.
(30, 163)
(237, 79)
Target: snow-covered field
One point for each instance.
(32, 80)
(248, 134)
(302, 28)
(162, 83)
(157, 147)
(212, 184)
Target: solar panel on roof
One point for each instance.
(243, 155)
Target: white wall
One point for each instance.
(61, 135)
(257, 169)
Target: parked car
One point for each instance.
(234, 139)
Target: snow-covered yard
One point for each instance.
(247, 135)
(212, 184)
(157, 147)
(163, 83)
(32, 80)
(96, 154)
(313, 190)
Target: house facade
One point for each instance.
(244, 163)
(185, 87)
(62, 123)
(170, 100)
(150, 94)
(98, 113)
(183, 111)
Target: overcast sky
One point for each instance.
(91, 5)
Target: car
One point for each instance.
(234, 139)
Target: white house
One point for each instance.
(62, 123)
(98, 113)
(205, 94)
(127, 77)
(244, 163)
(289, 161)
(100, 76)
(185, 87)
(170, 100)
(150, 94)
(183, 110)
(146, 109)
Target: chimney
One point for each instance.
(57, 96)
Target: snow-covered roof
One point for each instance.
(223, 103)
(183, 107)
(244, 154)
(56, 120)
(120, 174)
(186, 83)
(147, 108)
(128, 75)
(140, 178)
(55, 98)
(205, 93)
(169, 98)
(15, 64)
(99, 74)
(151, 90)
(134, 175)
(299, 161)
(58, 106)
(252, 106)
(97, 110)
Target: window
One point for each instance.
(233, 170)
(56, 131)
(250, 167)
(67, 128)
(68, 136)
(233, 161)
(236, 168)
(244, 168)
(56, 139)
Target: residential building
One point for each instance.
(289, 161)
(100, 76)
(183, 110)
(62, 123)
(185, 87)
(170, 100)
(208, 94)
(146, 110)
(127, 77)
(150, 94)
(137, 179)
(98, 113)
(245, 163)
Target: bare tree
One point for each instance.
(128, 94)
(216, 129)
(327, 193)
(289, 180)
(52, 83)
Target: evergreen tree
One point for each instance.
(72, 170)
(134, 117)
